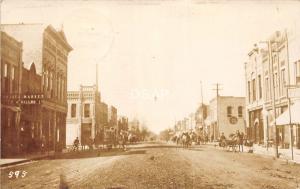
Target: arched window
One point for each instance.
(240, 111)
(229, 111)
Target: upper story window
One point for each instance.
(276, 85)
(259, 87)
(229, 111)
(253, 90)
(297, 72)
(267, 88)
(240, 111)
(51, 81)
(12, 72)
(73, 110)
(5, 70)
(86, 110)
(46, 79)
(283, 82)
(249, 92)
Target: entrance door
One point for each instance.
(86, 132)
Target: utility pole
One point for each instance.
(202, 112)
(217, 89)
(287, 95)
(271, 67)
(272, 88)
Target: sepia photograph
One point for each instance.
(150, 94)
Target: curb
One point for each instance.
(24, 161)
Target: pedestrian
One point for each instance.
(43, 143)
(222, 142)
(242, 141)
(76, 144)
(238, 137)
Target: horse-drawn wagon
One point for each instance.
(109, 138)
(230, 143)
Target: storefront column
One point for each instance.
(17, 122)
(54, 130)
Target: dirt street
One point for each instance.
(158, 166)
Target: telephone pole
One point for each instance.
(202, 110)
(217, 89)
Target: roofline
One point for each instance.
(228, 97)
(56, 32)
(47, 26)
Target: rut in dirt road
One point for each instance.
(200, 167)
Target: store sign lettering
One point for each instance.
(23, 98)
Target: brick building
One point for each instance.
(278, 61)
(83, 120)
(45, 52)
(11, 75)
(227, 115)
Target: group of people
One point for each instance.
(121, 140)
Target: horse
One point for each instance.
(230, 143)
(122, 141)
(132, 138)
(185, 140)
(193, 137)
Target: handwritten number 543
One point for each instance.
(17, 174)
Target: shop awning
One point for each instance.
(284, 119)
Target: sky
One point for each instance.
(153, 55)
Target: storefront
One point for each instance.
(10, 118)
(255, 132)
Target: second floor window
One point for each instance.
(297, 72)
(249, 92)
(259, 87)
(240, 111)
(86, 110)
(73, 110)
(12, 72)
(5, 70)
(283, 82)
(276, 85)
(229, 111)
(253, 90)
(267, 88)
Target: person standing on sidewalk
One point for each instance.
(241, 140)
(43, 144)
(76, 144)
